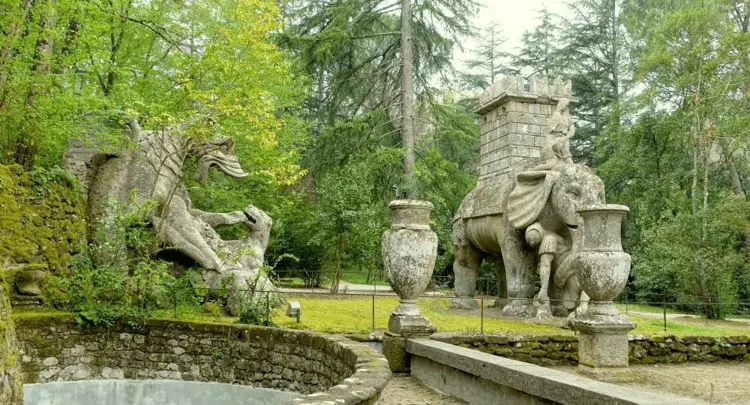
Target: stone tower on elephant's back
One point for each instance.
(514, 113)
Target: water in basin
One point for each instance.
(156, 392)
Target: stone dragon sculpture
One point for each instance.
(155, 170)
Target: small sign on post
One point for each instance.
(293, 310)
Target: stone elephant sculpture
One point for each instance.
(491, 223)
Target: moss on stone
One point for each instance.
(41, 215)
(10, 366)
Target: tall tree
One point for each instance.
(407, 98)
(686, 53)
(489, 60)
(596, 49)
(539, 54)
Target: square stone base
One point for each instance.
(410, 325)
(394, 350)
(602, 345)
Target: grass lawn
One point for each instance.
(641, 308)
(354, 315)
(357, 278)
(291, 282)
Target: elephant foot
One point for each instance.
(464, 303)
(559, 311)
(543, 311)
(520, 309)
(500, 303)
(541, 298)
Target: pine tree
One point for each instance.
(540, 53)
(489, 60)
(596, 48)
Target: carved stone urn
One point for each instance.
(601, 264)
(409, 250)
(602, 268)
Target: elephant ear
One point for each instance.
(529, 196)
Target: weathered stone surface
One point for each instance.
(563, 350)
(409, 251)
(541, 350)
(484, 379)
(514, 115)
(522, 215)
(41, 227)
(10, 357)
(154, 170)
(530, 197)
(394, 350)
(604, 345)
(333, 367)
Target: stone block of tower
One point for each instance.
(513, 114)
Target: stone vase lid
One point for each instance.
(411, 214)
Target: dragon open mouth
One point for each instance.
(250, 218)
(214, 155)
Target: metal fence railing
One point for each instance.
(367, 311)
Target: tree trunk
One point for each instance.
(738, 190)
(712, 310)
(407, 97)
(337, 271)
(615, 63)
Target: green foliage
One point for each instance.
(446, 169)
(668, 260)
(540, 52)
(255, 306)
(348, 224)
(489, 60)
(71, 69)
(677, 163)
(114, 279)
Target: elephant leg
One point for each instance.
(520, 275)
(466, 262)
(502, 284)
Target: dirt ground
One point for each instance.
(407, 390)
(712, 383)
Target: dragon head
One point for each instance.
(218, 153)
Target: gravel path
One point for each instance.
(710, 383)
(407, 390)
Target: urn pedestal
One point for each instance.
(602, 268)
(409, 250)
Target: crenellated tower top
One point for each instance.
(514, 123)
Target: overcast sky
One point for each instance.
(514, 16)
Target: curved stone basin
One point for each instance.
(321, 368)
(150, 392)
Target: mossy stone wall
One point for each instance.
(41, 218)
(10, 372)
(563, 350)
(335, 368)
